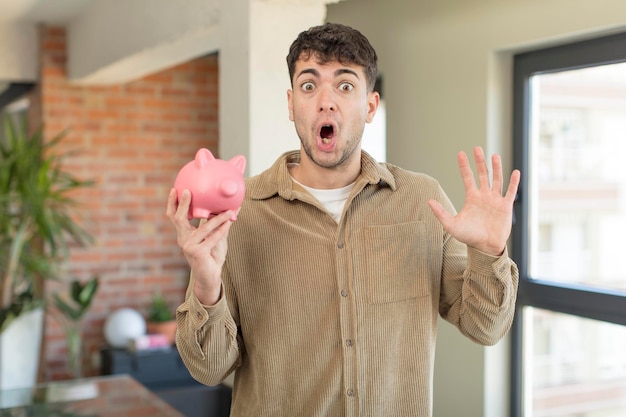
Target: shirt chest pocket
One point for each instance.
(396, 264)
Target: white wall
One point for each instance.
(255, 37)
(18, 37)
(447, 83)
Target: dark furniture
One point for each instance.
(163, 372)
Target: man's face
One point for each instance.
(329, 105)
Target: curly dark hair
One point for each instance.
(335, 42)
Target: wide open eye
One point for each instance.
(346, 87)
(308, 86)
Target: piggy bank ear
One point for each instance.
(238, 161)
(203, 157)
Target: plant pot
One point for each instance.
(20, 343)
(166, 328)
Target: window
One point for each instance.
(569, 335)
(374, 135)
(374, 139)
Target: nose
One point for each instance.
(326, 100)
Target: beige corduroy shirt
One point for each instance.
(326, 319)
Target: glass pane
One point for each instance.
(577, 180)
(573, 367)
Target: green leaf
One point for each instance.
(88, 292)
(37, 218)
(73, 313)
(81, 296)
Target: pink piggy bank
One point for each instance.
(216, 185)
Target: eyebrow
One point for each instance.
(338, 72)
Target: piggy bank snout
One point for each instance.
(229, 187)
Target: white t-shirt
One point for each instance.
(332, 200)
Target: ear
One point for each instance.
(203, 157)
(239, 162)
(290, 103)
(373, 100)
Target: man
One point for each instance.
(323, 296)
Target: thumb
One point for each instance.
(441, 214)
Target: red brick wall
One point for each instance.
(132, 139)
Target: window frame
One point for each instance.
(578, 300)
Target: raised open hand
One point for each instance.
(484, 222)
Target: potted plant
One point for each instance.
(71, 309)
(161, 319)
(37, 224)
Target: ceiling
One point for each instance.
(36, 11)
(98, 30)
(48, 11)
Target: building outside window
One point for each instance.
(569, 345)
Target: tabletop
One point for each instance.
(102, 396)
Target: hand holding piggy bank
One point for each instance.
(216, 185)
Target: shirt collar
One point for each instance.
(276, 179)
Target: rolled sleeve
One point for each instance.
(486, 306)
(207, 339)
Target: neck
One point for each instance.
(322, 178)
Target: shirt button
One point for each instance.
(344, 293)
(501, 269)
(349, 343)
(350, 392)
(199, 315)
(340, 245)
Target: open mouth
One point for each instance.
(326, 133)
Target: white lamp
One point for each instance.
(122, 326)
